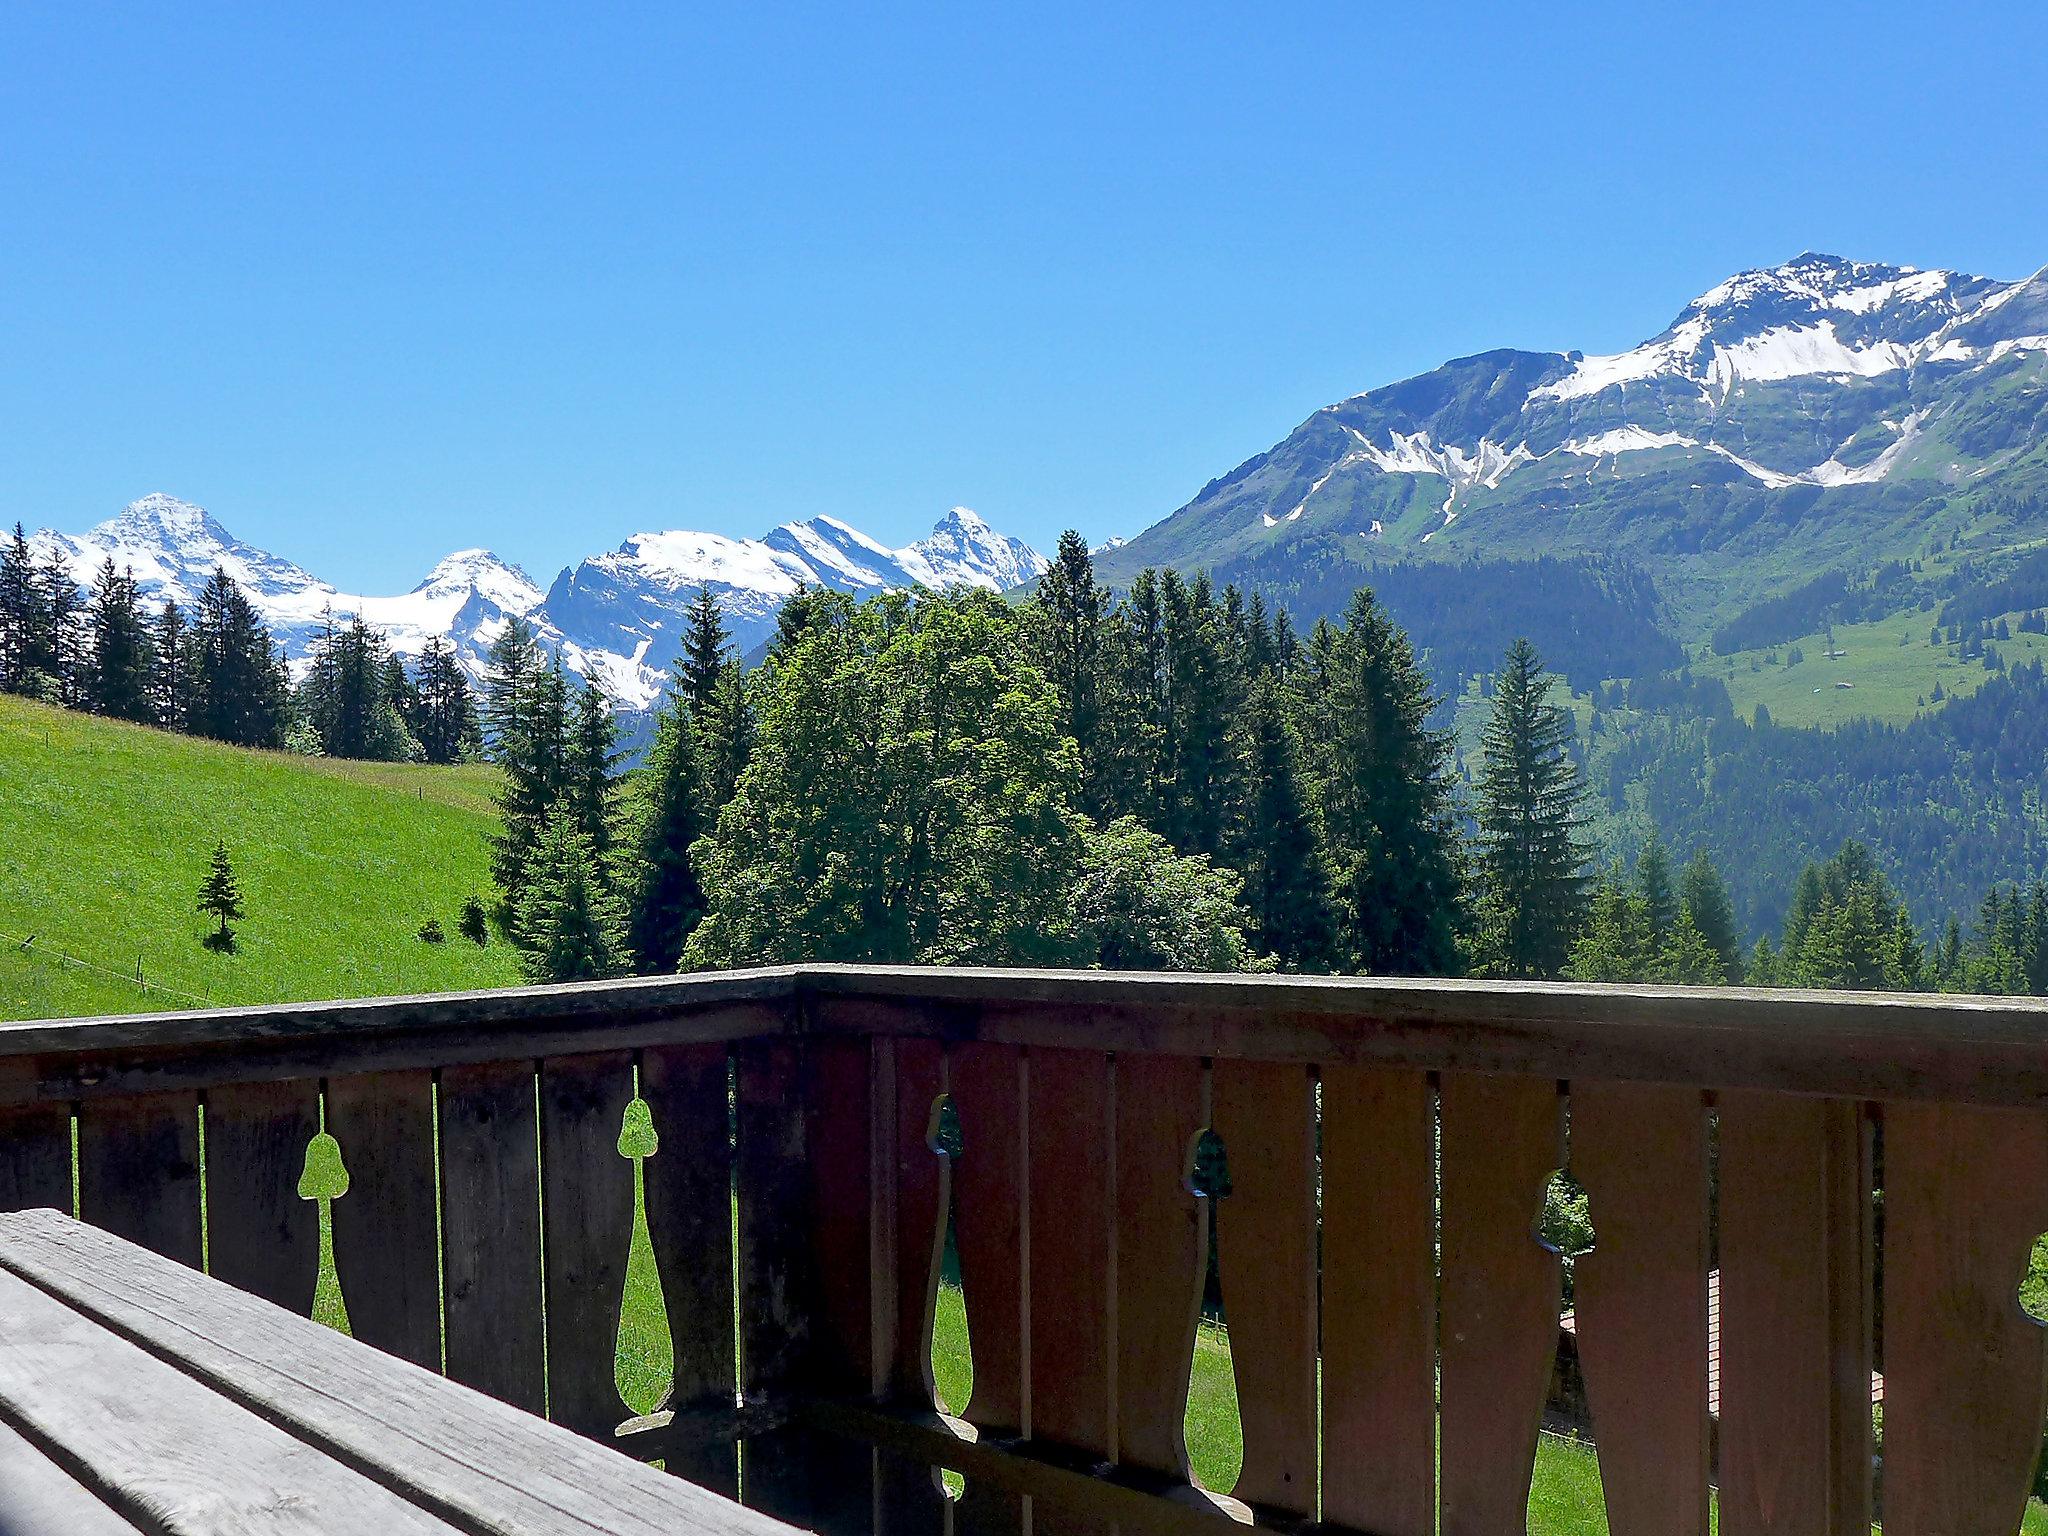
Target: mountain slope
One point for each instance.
(1819, 410)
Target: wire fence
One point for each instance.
(32, 946)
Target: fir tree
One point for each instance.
(1070, 616)
(1614, 944)
(531, 747)
(170, 678)
(352, 697)
(592, 769)
(238, 686)
(1531, 822)
(474, 925)
(703, 657)
(20, 612)
(1653, 880)
(667, 900)
(1277, 843)
(221, 898)
(1686, 958)
(117, 674)
(57, 661)
(444, 717)
(570, 923)
(1703, 897)
(510, 668)
(725, 735)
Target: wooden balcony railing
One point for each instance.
(1393, 1315)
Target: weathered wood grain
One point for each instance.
(1266, 1253)
(138, 1171)
(490, 1237)
(844, 1143)
(1162, 1246)
(1966, 1374)
(475, 1462)
(1379, 1301)
(1072, 1272)
(1795, 1216)
(1641, 1300)
(989, 1226)
(689, 1184)
(38, 1498)
(587, 1201)
(920, 1196)
(172, 1455)
(1502, 1138)
(35, 1157)
(261, 1235)
(386, 1235)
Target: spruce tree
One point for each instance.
(1614, 943)
(667, 900)
(1686, 958)
(56, 661)
(238, 684)
(1703, 897)
(170, 677)
(570, 923)
(531, 747)
(117, 672)
(1069, 630)
(511, 664)
(444, 710)
(703, 655)
(592, 768)
(20, 612)
(1653, 880)
(1531, 823)
(725, 735)
(221, 898)
(1277, 843)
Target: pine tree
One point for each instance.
(667, 899)
(1277, 843)
(725, 735)
(444, 710)
(1703, 897)
(1613, 944)
(57, 660)
(117, 673)
(1071, 610)
(221, 897)
(510, 667)
(352, 694)
(570, 923)
(703, 656)
(170, 678)
(474, 924)
(592, 769)
(1383, 776)
(238, 685)
(531, 747)
(20, 612)
(1531, 822)
(1660, 899)
(1686, 958)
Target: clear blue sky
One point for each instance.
(374, 281)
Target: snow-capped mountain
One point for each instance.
(1773, 400)
(615, 617)
(620, 613)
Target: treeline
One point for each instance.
(1173, 779)
(216, 671)
(1833, 597)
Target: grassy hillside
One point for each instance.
(105, 830)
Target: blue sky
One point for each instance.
(376, 281)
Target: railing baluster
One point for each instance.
(35, 1157)
(1072, 1288)
(1379, 1302)
(918, 1194)
(689, 1222)
(1266, 1252)
(1162, 1244)
(1641, 1153)
(1795, 1316)
(1502, 1138)
(138, 1171)
(490, 1185)
(260, 1235)
(1966, 1374)
(841, 1147)
(587, 1206)
(989, 1225)
(386, 1231)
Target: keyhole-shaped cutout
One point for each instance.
(1213, 1426)
(644, 1365)
(324, 1178)
(952, 1351)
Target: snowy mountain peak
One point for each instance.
(159, 516)
(478, 570)
(962, 550)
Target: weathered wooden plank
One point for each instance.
(989, 1225)
(1641, 1300)
(1379, 1301)
(173, 1455)
(1072, 1271)
(476, 1462)
(1966, 1375)
(909, 1498)
(842, 1145)
(988, 1509)
(37, 1498)
(1502, 1139)
(587, 1204)
(688, 1184)
(1795, 1316)
(138, 1171)
(1266, 1255)
(1162, 1244)
(261, 1235)
(491, 1239)
(386, 1234)
(920, 1194)
(35, 1157)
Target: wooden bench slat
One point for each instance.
(138, 1171)
(167, 1450)
(490, 1232)
(387, 1249)
(476, 1461)
(38, 1498)
(260, 1235)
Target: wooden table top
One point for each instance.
(139, 1395)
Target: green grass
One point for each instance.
(105, 830)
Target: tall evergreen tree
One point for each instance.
(59, 654)
(724, 735)
(592, 769)
(1703, 897)
(1532, 852)
(170, 677)
(20, 612)
(117, 674)
(1277, 844)
(1660, 897)
(238, 685)
(532, 749)
(703, 657)
(570, 923)
(512, 662)
(1071, 610)
(667, 900)
(444, 710)
(348, 694)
